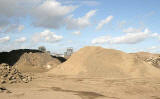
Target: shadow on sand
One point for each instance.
(82, 94)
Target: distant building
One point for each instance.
(69, 52)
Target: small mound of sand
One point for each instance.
(9, 74)
(36, 62)
(13, 56)
(97, 61)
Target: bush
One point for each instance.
(42, 48)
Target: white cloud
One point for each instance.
(6, 26)
(46, 36)
(17, 8)
(14, 10)
(4, 39)
(51, 14)
(13, 28)
(69, 41)
(21, 40)
(101, 40)
(56, 15)
(132, 30)
(156, 35)
(153, 49)
(121, 24)
(1, 28)
(103, 22)
(81, 2)
(77, 32)
(129, 38)
(80, 22)
(3, 23)
(20, 28)
(44, 13)
(90, 3)
(8, 10)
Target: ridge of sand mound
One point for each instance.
(146, 55)
(97, 61)
(36, 62)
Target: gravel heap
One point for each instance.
(154, 61)
(9, 74)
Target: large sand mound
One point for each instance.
(97, 61)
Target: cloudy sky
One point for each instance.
(127, 25)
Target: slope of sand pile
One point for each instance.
(97, 61)
(9, 74)
(36, 62)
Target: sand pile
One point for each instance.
(9, 74)
(13, 56)
(97, 61)
(36, 62)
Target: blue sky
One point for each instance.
(127, 25)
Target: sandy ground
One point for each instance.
(61, 87)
